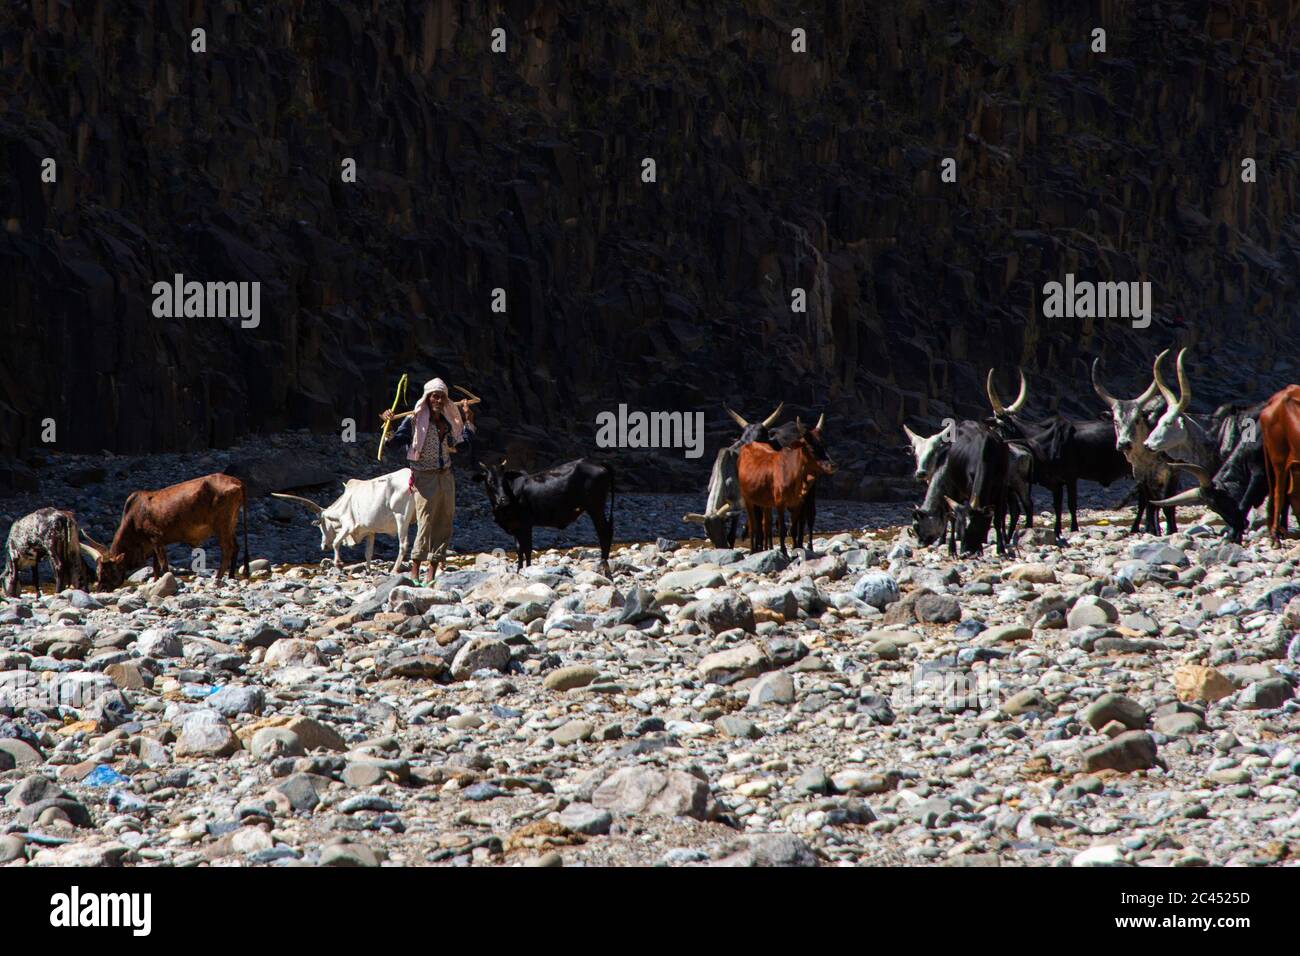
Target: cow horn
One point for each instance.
(694, 518)
(994, 401)
(737, 419)
(1020, 399)
(821, 421)
(726, 506)
(305, 502)
(912, 436)
(1189, 497)
(86, 540)
(771, 419)
(1170, 401)
(951, 503)
(473, 399)
(1196, 471)
(90, 553)
(1099, 388)
(1184, 386)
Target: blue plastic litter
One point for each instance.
(104, 776)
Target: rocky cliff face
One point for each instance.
(523, 171)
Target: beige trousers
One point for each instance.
(435, 504)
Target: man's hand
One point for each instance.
(386, 415)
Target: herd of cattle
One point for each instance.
(979, 477)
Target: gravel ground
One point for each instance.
(1118, 700)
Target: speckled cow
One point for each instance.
(48, 533)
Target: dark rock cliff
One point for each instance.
(522, 171)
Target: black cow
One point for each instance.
(1240, 482)
(553, 498)
(975, 473)
(1064, 451)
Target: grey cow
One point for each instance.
(47, 533)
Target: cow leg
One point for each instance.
(1057, 491)
(525, 545)
(604, 532)
(60, 573)
(403, 525)
(36, 576)
(370, 549)
(1073, 491)
(780, 518)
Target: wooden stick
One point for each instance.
(401, 391)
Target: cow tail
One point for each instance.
(977, 486)
(247, 574)
(72, 542)
(611, 506)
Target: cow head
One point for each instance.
(928, 452)
(329, 524)
(497, 483)
(929, 526)
(1128, 416)
(1212, 495)
(754, 431)
(818, 461)
(1171, 428)
(110, 565)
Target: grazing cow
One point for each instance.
(367, 507)
(553, 498)
(188, 513)
(1155, 477)
(779, 479)
(1240, 484)
(1064, 452)
(723, 506)
(1279, 428)
(47, 533)
(931, 452)
(975, 473)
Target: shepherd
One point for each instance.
(434, 430)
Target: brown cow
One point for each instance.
(779, 479)
(189, 513)
(1279, 430)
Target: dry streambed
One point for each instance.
(1119, 700)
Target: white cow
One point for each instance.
(367, 507)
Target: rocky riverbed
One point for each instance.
(1117, 700)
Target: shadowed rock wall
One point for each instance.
(523, 171)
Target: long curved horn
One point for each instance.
(1191, 496)
(1170, 401)
(307, 502)
(771, 419)
(87, 541)
(473, 399)
(1020, 399)
(821, 421)
(1184, 386)
(694, 518)
(737, 419)
(998, 407)
(1202, 476)
(912, 436)
(90, 553)
(1099, 388)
